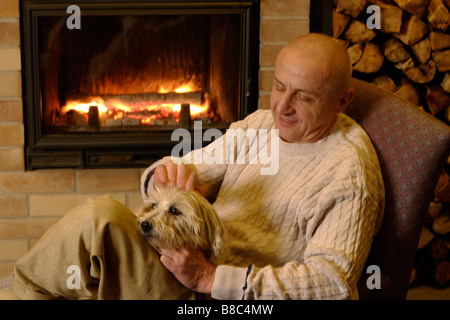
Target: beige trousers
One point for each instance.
(95, 252)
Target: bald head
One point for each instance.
(326, 51)
(310, 87)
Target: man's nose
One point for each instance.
(284, 104)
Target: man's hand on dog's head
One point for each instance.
(183, 176)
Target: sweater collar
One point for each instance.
(322, 145)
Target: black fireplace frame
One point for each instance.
(120, 150)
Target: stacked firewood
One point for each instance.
(432, 264)
(404, 46)
(406, 49)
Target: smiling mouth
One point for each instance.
(287, 122)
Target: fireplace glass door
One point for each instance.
(127, 75)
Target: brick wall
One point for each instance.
(281, 22)
(30, 202)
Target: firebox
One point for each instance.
(107, 82)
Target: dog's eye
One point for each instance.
(174, 211)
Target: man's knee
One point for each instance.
(100, 211)
(109, 209)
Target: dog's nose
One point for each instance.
(146, 226)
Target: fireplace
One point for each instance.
(110, 91)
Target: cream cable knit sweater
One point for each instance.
(305, 232)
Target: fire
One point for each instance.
(83, 107)
(185, 88)
(112, 111)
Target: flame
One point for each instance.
(83, 106)
(184, 88)
(145, 111)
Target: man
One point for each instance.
(303, 232)
(310, 90)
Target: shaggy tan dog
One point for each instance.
(171, 218)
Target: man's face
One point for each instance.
(303, 108)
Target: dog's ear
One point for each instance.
(151, 195)
(215, 231)
(155, 188)
(216, 234)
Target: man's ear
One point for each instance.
(345, 100)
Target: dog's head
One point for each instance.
(171, 218)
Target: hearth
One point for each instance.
(110, 91)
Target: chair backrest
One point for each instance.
(412, 148)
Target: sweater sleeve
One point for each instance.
(229, 282)
(340, 235)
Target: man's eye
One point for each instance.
(304, 97)
(174, 211)
(278, 86)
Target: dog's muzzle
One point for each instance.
(146, 227)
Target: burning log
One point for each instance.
(72, 118)
(157, 98)
(150, 97)
(130, 122)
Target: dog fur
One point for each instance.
(171, 218)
